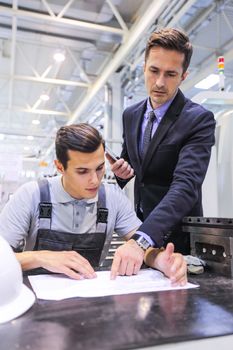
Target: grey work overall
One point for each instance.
(89, 245)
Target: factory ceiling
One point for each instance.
(57, 55)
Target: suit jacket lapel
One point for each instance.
(135, 126)
(169, 118)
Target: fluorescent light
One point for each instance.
(44, 97)
(35, 122)
(59, 57)
(30, 137)
(26, 148)
(2, 136)
(208, 82)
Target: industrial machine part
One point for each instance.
(211, 239)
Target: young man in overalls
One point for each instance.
(65, 224)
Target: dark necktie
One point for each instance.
(147, 133)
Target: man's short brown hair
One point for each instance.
(171, 39)
(77, 137)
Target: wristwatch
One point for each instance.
(141, 241)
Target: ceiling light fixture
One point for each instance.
(208, 82)
(29, 137)
(59, 57)
(35, 122)
(2, 137)
(44, 97)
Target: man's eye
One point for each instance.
(81, 172)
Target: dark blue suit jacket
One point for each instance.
(168, 181)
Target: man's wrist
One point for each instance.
(28, 260)
(141, 241)
(151, 255)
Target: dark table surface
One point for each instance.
(125, 321)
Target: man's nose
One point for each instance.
(94, 178)
(160, 82)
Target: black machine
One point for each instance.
(211, 239)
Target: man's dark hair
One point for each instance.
(171, 39)
(77, 137)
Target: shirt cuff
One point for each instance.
(148, 238)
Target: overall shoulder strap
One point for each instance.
(44, 190)
(45, 205)
(102, 211)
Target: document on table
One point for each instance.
(58, 287)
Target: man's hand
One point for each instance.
(70, 263)
(127, 260)
(171, 264)
(121, 168)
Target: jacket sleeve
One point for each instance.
(187, 180)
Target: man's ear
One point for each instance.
(184, 75)
(59, 166)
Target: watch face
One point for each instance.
(144, 243)
(141, 241)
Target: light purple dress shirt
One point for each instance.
(159, 112)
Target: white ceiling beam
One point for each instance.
(22, 134)
(55, 75)
(13, 49)
(35, 111)
(48, 91)
(48, 8)
(202, 18)
(65, 8)
(78, 65)
(43, 111)
(64, 105)
(46, 72)
(28, 64)
(67, 21)
(181, 12)
(48, 80)
(117, 15)
(227, 22)
(36, 104)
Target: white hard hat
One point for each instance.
(15, 297)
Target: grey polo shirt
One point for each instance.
(19, 218)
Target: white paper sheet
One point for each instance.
(57, 287)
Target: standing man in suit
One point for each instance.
(167, 144)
